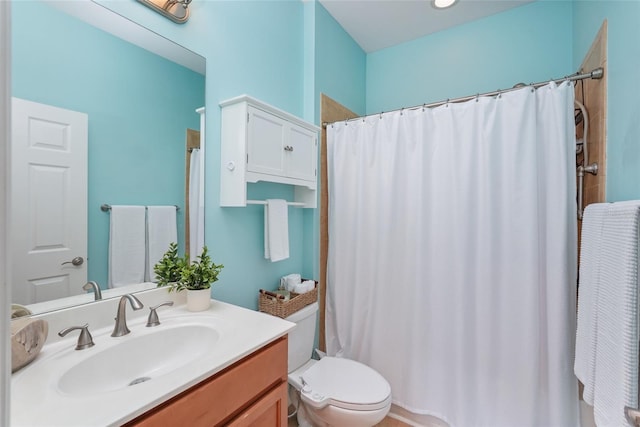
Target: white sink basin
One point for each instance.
(138, 359)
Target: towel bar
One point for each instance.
(107, 208)
(264, 202)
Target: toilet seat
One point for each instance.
(346, 384)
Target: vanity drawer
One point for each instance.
(253, 388)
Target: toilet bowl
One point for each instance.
(332, 391)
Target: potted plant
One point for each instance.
(195, 277)
(169, 268)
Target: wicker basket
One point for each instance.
(268, 302)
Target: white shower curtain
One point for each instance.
(452, 256)
(196, 204)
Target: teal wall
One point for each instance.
(261, 48)
(257, 48)
(287, 52)
(335, 66)
(137, 113)
(526, 44)
(623, 95)
(341, 65)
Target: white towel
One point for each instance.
(590, 244)
(162, 230)
(126, 245)
(609, 308)
(276, 230)
(304, 287)
(291, 281)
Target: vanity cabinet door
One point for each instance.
(266, 136)
(270, 411)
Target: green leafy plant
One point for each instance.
(179, 273)
(199, 274)
(169, 268)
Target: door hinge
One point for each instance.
(247, 117)
(247, 158)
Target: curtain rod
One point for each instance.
(596, 73)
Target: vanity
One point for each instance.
(223, 366)
(253, 391)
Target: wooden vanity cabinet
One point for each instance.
(251, 392)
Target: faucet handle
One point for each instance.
(85, 340)
(153, 316)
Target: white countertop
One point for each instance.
(37, 401)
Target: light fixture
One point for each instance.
(443, 4)
(176, 10)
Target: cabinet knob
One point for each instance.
(231, 166)
(288, 148)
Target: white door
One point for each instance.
(48, 202)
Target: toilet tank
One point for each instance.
(302, 336)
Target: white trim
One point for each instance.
(5, 290)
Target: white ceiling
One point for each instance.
(377, 24)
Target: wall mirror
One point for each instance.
(139, 93)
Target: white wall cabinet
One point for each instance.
(262, 143)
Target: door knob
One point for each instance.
(76, 261)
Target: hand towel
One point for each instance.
(612, 382)
(291, 281)
(162, 229)
(276, 230)
(304, 287)
(126, 245)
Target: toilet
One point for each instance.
(331, 391)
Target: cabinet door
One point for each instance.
(301, 153)
(269, 411)
(265, 143)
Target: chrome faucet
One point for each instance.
(85, 340)
(153, 319)
(97, 294)
(121, 320)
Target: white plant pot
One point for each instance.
(198, 300)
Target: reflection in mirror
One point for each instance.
(124, 109)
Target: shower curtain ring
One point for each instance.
(447, 103)
(477, 97)
(424, 106)
(402, 111)
(381, 112)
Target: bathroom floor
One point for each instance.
(387, 422)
